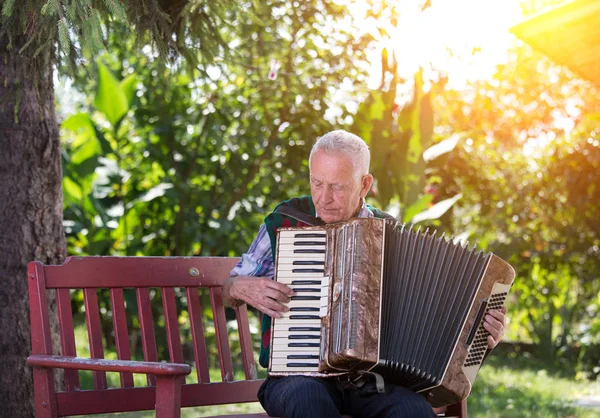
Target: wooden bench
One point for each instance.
(180, 283)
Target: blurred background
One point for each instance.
(480, 126)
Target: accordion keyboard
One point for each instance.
(296, 343)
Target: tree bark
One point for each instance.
(30, 208)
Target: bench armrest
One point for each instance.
(144, 367)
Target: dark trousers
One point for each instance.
(306, 397)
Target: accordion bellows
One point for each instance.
(371, 294)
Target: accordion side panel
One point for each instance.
(355, 297)
(458, 379)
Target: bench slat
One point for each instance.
(241, 314)
(92, 315)
(216, 299)
(147, 328)
(109, 272)
(67, 335)
(117, 301)
(172, 325)
(198, 338)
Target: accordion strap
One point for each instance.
(300, 216)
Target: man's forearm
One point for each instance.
(229, 299)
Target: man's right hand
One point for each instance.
(266, 295)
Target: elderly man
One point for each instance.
(339, 182)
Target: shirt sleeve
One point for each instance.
(258, 261)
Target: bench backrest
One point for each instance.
(141, 281)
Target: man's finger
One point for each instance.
(491, 342)
(280, 287)
(498, 315)
(275, 294)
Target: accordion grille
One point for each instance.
(429, 284)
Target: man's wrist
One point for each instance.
(229, 293)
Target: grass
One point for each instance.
(502, 391)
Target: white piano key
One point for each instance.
(290, 267)
(288, 256)
(304, 303)
(282, 354)
(283, 346)
(288, 314)
(292, 233)
(293, 240)
(285, 361)
(286, 334)
(287, 322)
(288, 276)
(281, 368)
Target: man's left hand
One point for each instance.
(494, 323)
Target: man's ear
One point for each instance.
(367, 182)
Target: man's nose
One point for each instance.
(328, 194)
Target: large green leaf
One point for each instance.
(441, 148)
(416, 208)
(437, 210)
(111, 97)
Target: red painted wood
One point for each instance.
(67, 335)
(172, 324)
(241, 314)
(168, 397)
(92, 315)
(63, 362)
(89, 402)
(147, 328)
(43, 379)
(458, 409)
(216, 299)
(79, 272)
(198, 339)
(117, 302)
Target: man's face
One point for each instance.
(335, 191)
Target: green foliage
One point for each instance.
(187, 27)
(537, 211)
(401, 143)
(202, 156)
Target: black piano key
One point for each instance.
(304, 337)
(310, 235)
(305, 298)
(303, 357)
(303, 309)
(300, 282)
(308, 251)
(317, 329)
(308, 271)
(305, 317)
(308, 289)
(308, 263)
(304, 345)
(302, 364)
(309, 243)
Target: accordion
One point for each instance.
(374, 295)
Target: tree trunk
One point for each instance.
(30, 209)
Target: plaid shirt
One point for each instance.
(258, 261)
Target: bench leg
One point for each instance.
(168, 397)
(458, 409)
(44, 393)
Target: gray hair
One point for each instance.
(346, 143)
